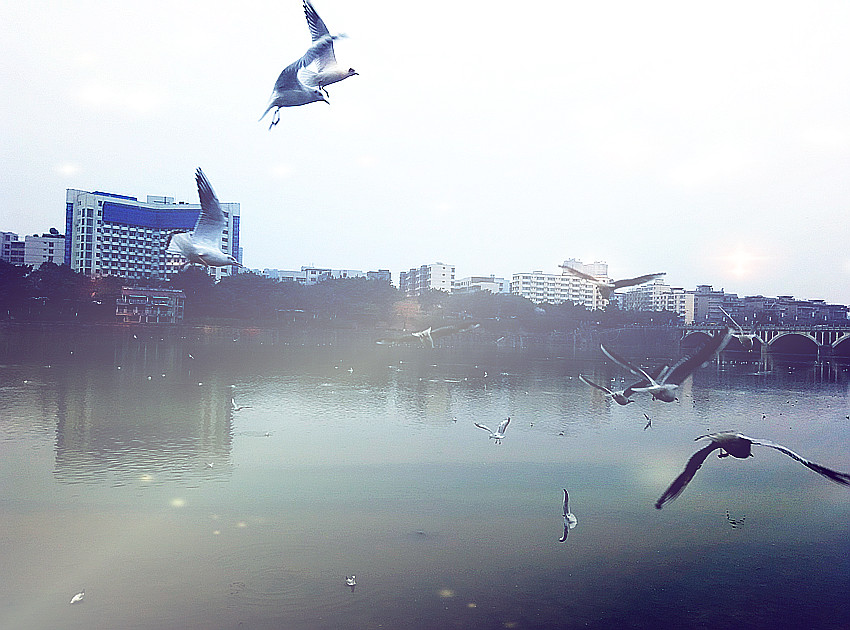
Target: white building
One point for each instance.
(659, 296)
(34, 250)
(481, 283)
(11, 249)
(310, 275)
(560, 287)
(439, 276)
(108, 234)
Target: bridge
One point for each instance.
(823, 340)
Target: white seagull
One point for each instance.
(426, 337)
(293, 86)
(607, 287)
(570, 520)
(740, 446)
(662, 384)
(621, 397)
(234, 407)
(328, 70)
(76, 599)
(747, 339)
(499, 433)
(202, 245)
(351, 582)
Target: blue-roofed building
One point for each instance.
(118, 235)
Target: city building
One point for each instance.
(309, 275)
(474, 284)
(380, 274)
(11, 249)
(438, 276)
(108, 234)
(659, 296)
(34, 250)
(150, 306)
(557, 288)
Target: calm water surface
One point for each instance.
(126, 473)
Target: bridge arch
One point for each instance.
(794, 343)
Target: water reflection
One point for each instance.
(351, 458)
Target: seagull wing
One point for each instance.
(630, 282)
(566, 503)
(581, 274)
(685, 477)
(566, 533)
(443, 331)
(834, 475)
(637, 371)
(317, 31)
(504, 425)
(211, 220)
(644, 382)
(482, 426)
(586, 380)
(685, 366)
(732, 319)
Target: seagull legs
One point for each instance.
(275, 118)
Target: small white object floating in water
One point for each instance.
(570, 521)
(350, 581)
(498, 434)
(76, 599)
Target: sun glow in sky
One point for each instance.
(649, 135)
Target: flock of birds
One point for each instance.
(303, 81)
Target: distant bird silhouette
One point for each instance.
(351, 582)
(621, 397)
(426, 337)
(499, 433)
(570, 521)
(607, 287)
(76, 599)
(662, 385)
(740, 446)
(747, 340)
(327, 69)
(648, 422)
(202, 245)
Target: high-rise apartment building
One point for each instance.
(34, 250)
(108, 234)
(557, 288)
(437, 276)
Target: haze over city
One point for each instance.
(710, 142)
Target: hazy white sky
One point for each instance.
(707, 140)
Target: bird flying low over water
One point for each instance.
(662, 384)
(293, 87)
(740, 446)
(202, 245)
(426, 337)
(607, 287)
(327, 69)
(621, 397)
(570, 521)
(747, 340)
(499, 433)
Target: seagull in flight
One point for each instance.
(426, 337)
(328, 70)
(662, 384)
(202, 245)
(499, 433)
(740, 446)
(293, 86)
(234, 407)
(350, 581)
(76, 599)
(747, 339)
(607, 287)
(648, 422)
(570, 520)
(621, 397)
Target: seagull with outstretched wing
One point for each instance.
(327, 69)
(607, 287)
(620, 397)
(570, 521)
(499, 433)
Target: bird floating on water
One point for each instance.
(76, 599)
(327, 69)
(740, 446)
(499, 433)
(351, 582)
(570, 521)
(662, 384)
(607, 287)
(621, 397)
(202, 245)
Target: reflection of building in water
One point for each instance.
(150, 306)
(120, 425)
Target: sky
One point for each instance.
(710, 141)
